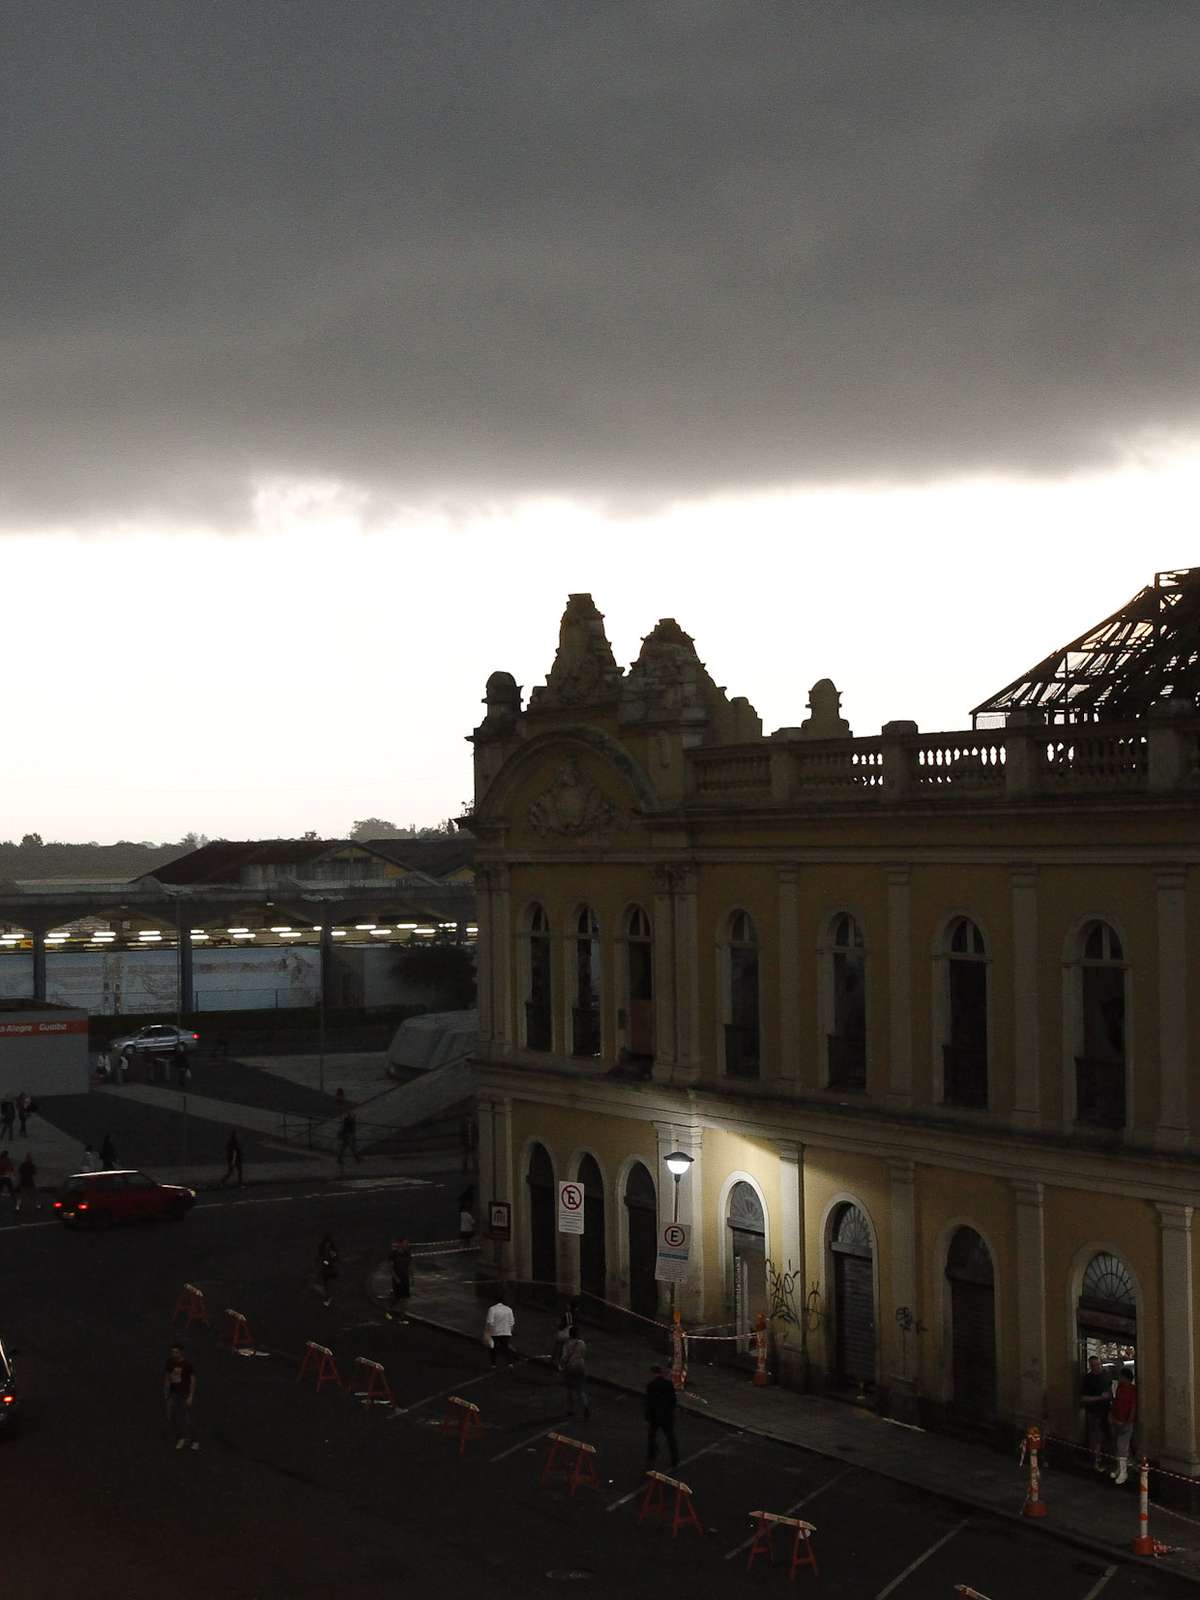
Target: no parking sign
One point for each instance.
(674, 1248)
(570, 1208)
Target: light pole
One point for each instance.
(678, 1163)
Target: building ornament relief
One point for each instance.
(573, 806)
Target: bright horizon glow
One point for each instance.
(918, 601)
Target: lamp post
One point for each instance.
(678, 1163)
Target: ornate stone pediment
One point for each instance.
(573, 807)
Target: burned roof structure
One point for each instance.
(1118, 670)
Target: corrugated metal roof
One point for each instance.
(435, 857)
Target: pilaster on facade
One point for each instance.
(1173, 1130)
(681, 879)
(904, 1286)
(689, 1138)
(496, 1178)
(1026, 1111)
(1178, 1339)
(899, 932)
(504, 998)
(666, 985)
(1029, 1199)
(486, 947)
(787, 1043)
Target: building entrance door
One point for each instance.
(641, 1214)
(853, 1298)
(972, 1326)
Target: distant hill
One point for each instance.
(122, 860)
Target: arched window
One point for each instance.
(585, 1014)
(639, 984)
(1107, 1312)
(965, 1049)
(746, 1260)
(741, 1027)
(539, 1017)
(641, 1220)
(847, 1012)
(1100, 1028)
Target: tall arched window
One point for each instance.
(585, 1013)
(1100, 1028)
(741, 1027)
(639, 984)
(1107, 1313)
(847, 1012)
(539, 1016)
(965, 1049)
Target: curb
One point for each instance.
(1063, 1535)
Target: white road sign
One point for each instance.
(674, 1247)
(570, 1208)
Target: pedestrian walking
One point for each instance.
(327, 1267)
(660, 1416)
(103, 1065)
(233, 1158)
(348, 1138)
(8, 1115)
(498, 1329)
(179, 1391)
(6, 1175)
(401, 1261)
(1095, 1396)
(91, 1161)
(466, 1227)
(568, 1320)
(108, 1154)
(1122, 1415)
(25, 1108)
(27, 1199)
(574, 1369)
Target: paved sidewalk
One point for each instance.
(1090, 1513)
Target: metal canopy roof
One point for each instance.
(1148, 651)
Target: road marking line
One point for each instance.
(1099, 1583)
(11, 1227)
(512, 1450)
(455, 1388)
(921, 1559)
(792, 1510)
(687, 1460)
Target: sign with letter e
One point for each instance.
(674, 1247)
(570, 1208)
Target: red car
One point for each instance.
(98, 1199)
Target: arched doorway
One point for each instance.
(543, 1242)
(641, 1215)
(972, 1326)
(853, 1297)
(1106, 1316)
(746, 1270)
(593, 1267)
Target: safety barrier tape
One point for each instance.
(1083, 1449)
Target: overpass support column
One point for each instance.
(186, 998)
(39, 963)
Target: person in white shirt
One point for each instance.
(498, 1329)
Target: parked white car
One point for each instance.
(157, 1040)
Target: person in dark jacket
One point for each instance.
(108, 1153)
(660, 1416)
(401, 1274)
(327, 1267)
(233, 1158)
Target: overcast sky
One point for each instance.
(341, 341)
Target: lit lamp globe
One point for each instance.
(678, 1162)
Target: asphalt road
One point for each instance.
(296, 1493)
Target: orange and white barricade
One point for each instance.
(237, 1334)
(678, 1353)
(462, 1417)
(803, 1554)
(318, 1359)
(191, 1305)
(760, 1350)
(575, 1458)
(1034, 1505)
(378, 1391)
(654, 1502)
(1143, 1544)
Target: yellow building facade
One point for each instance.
(916, 1005)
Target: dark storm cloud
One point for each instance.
(467, 248)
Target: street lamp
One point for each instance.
(678, 1163)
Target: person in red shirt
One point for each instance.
(1122, 1415)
